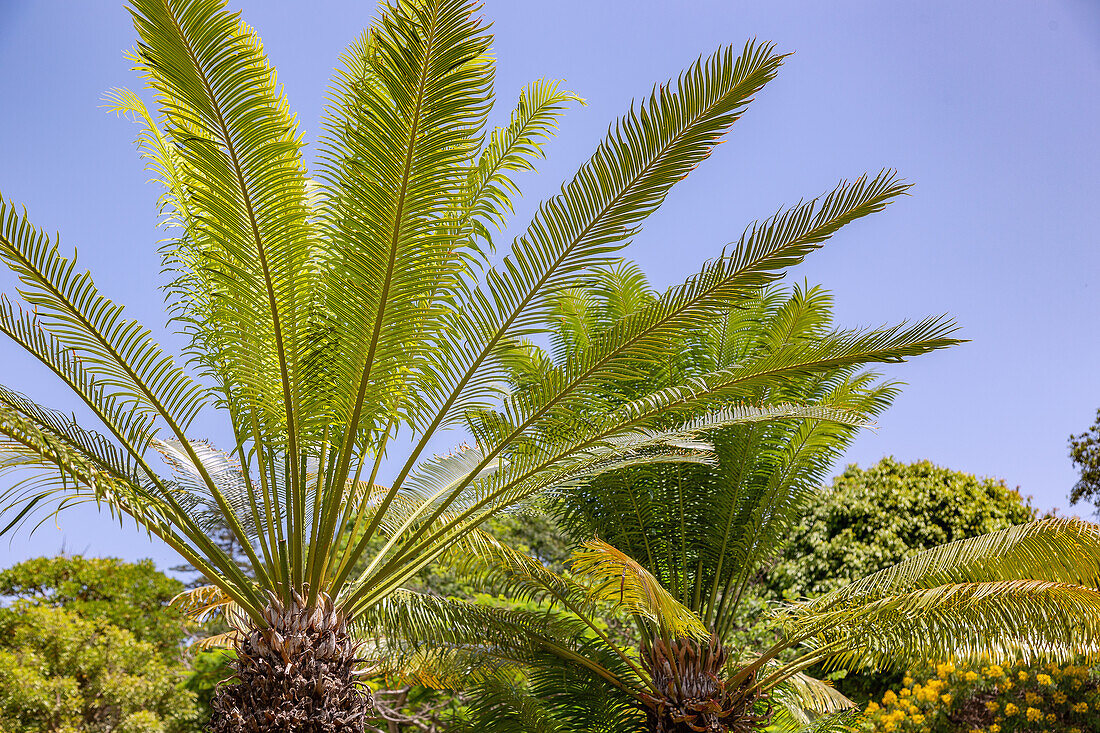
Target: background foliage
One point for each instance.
(90, 644)
(874, 517)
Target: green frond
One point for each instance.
(132, 428)
(91, 445)
(402, 128)
(1058, 550)
(117, 351)
(970, 623)
(237, 152)
(620, 581)
(514, 148)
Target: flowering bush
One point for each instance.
(991, 699)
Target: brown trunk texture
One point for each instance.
(692, 695)
(297, 674)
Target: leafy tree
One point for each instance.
(348, 317)
(872, 518)
(1084, 451)
(132, 596)
(685, 528)
(90, 645)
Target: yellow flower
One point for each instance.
(946, 699)
(907, 681)
(918, 719)
(1033, 715)
(1033, 698)
(1052, 717)
(992, 706)
(1022, 675)
(1044, 680)
(1059, 697)
(1011, 710)
(1081, 707)
(994, 728)
(944, 670)
(1008, 684)
(889, 698)
(872, 707)
(970, 676)
(905, 692)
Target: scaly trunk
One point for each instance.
(692, 695)
(297, 674)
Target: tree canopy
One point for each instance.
(871, 518)
(89, 645)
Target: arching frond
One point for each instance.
(118, 351)
(1059, 550)
(616, 578)
(970, 623)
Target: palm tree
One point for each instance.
(682, 533)
(343, 322)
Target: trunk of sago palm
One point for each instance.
(691, 694)
(296, 674)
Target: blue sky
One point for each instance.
(990, 108)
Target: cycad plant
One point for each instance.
(670, 540)
(345, 320)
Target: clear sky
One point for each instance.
(990, 108)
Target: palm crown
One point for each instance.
(353, 314)
(684, 530)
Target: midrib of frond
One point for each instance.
(343, 467)
(532, 293)
(280, 346)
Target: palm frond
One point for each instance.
(1059, 550)
(118, 351)
(972, 623)
(514, 148)
(248, 237)
(616, 578)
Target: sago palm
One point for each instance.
(683, 531)
(345, 321)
